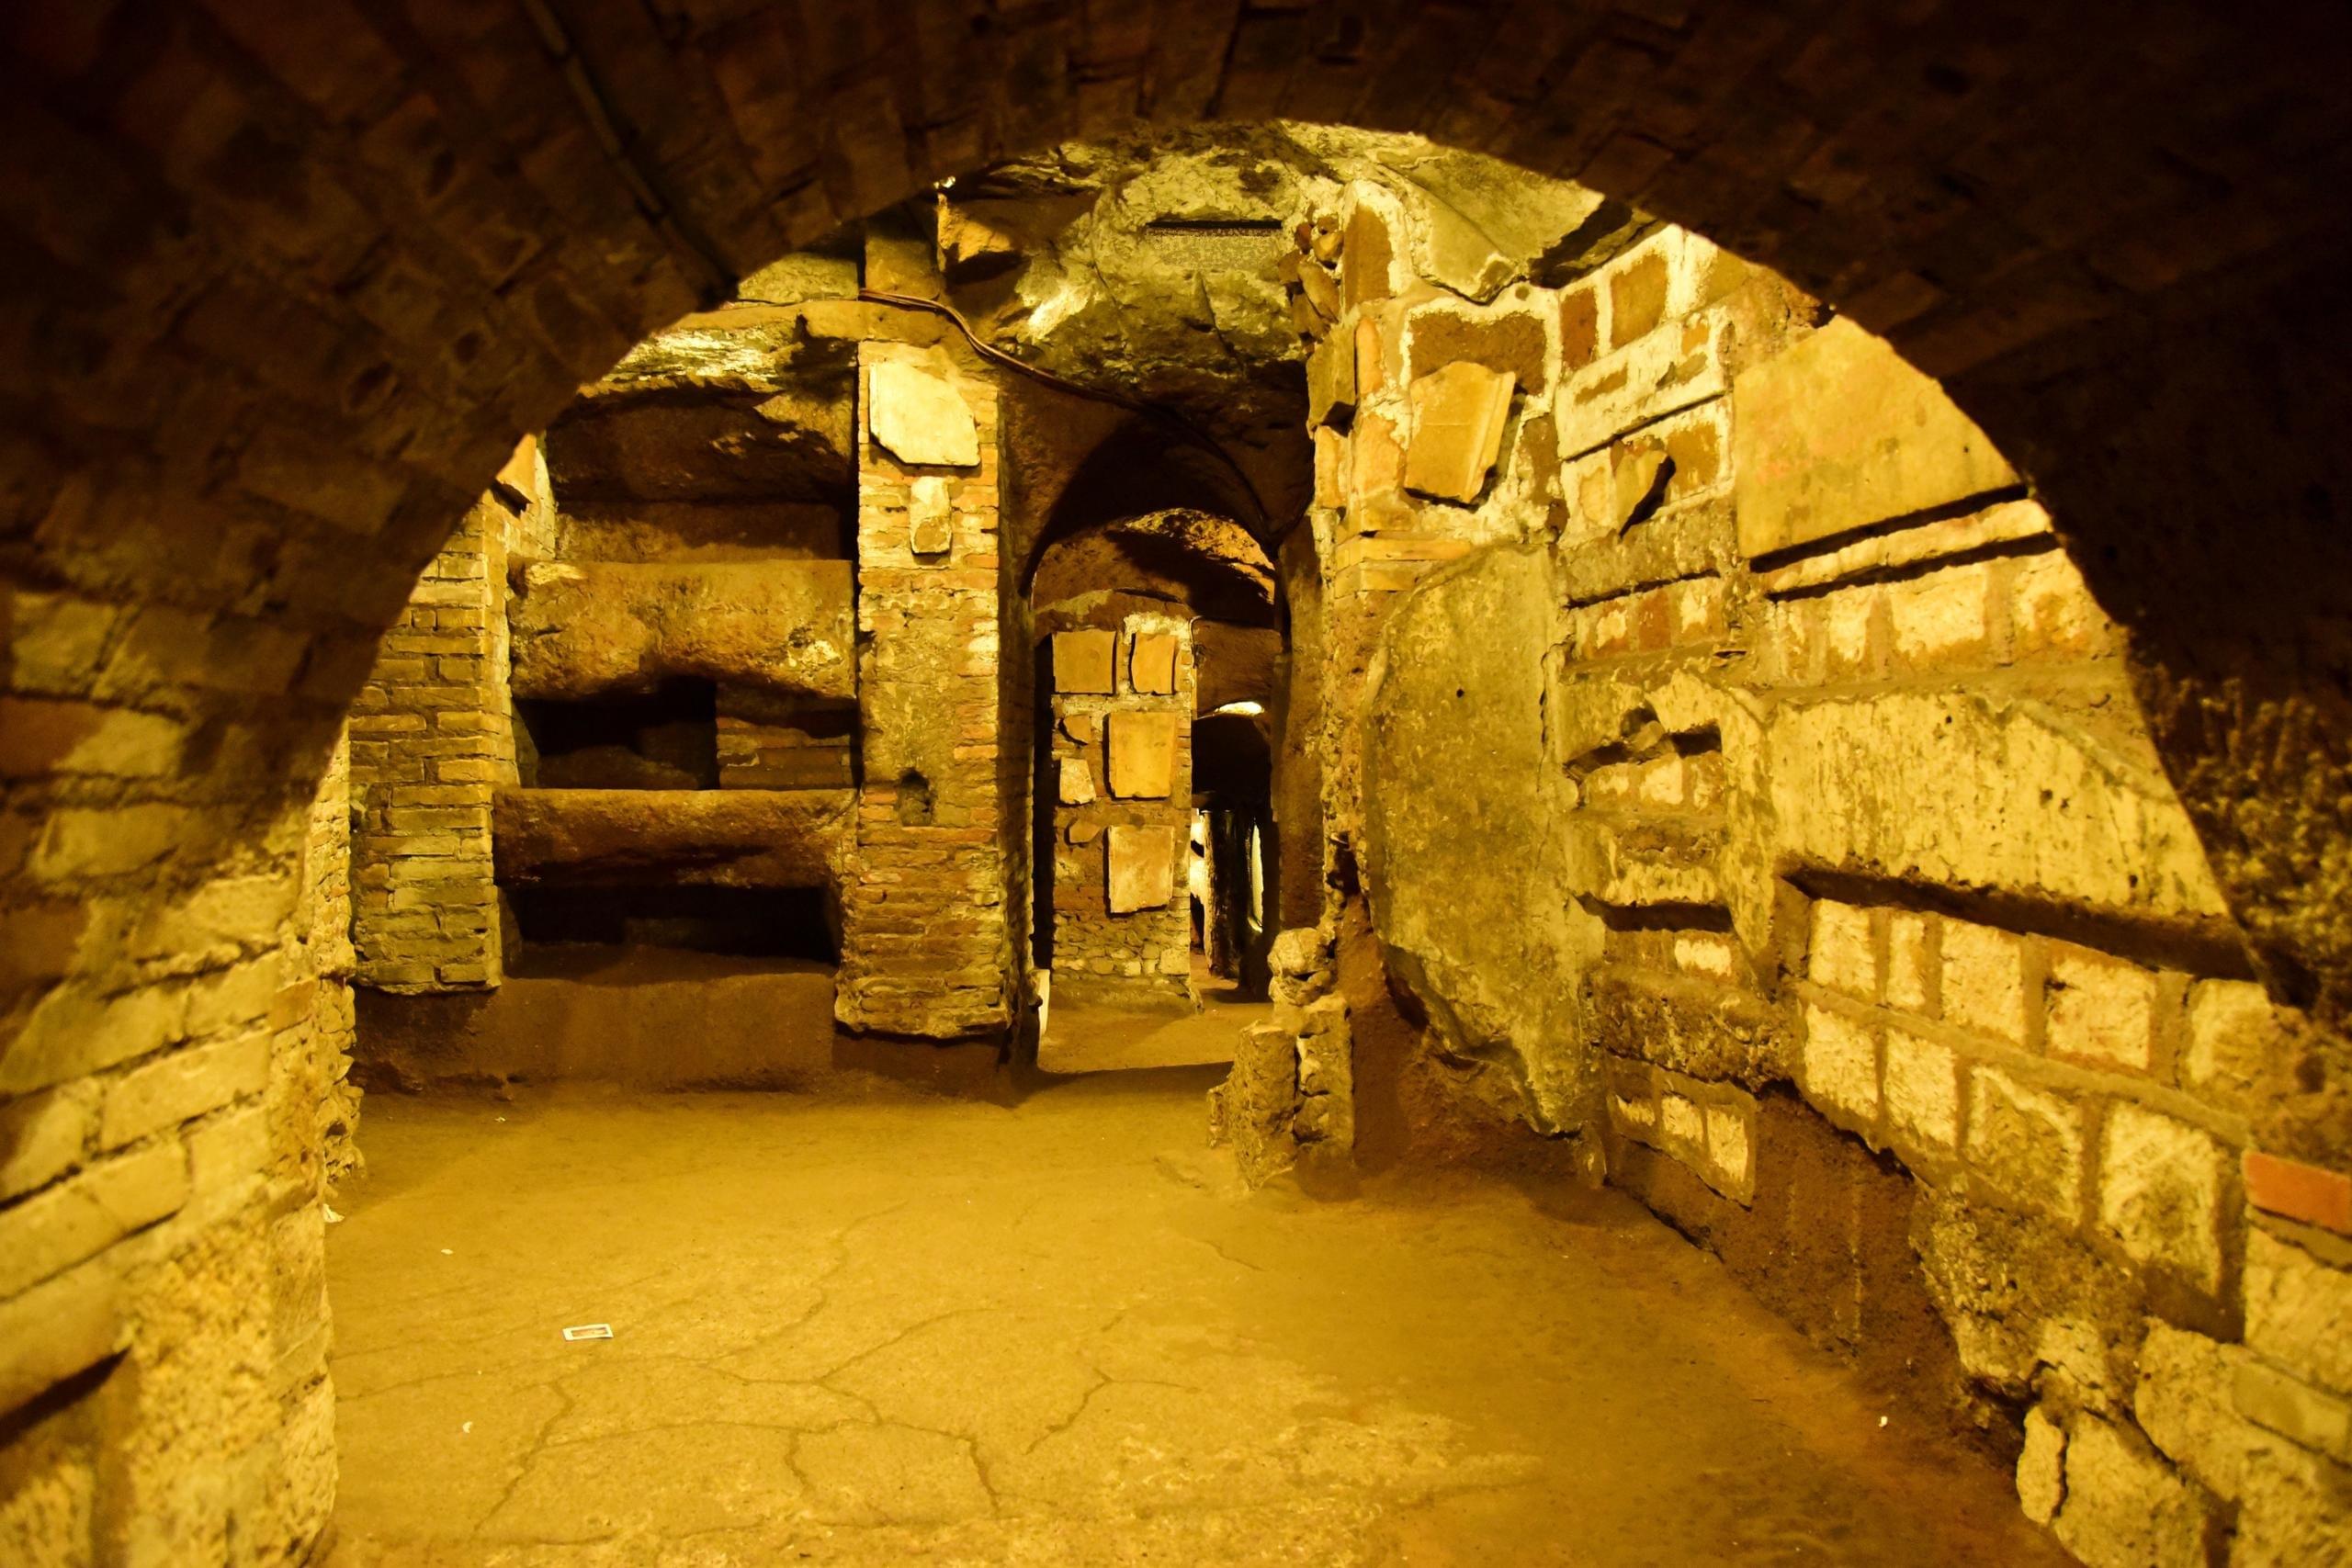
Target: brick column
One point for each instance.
(926, 943)
(1123, 708)
(432, 735)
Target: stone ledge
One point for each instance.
(580, 629)
(735, 838)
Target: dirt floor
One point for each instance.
(1083, 1039)
(916, 1330)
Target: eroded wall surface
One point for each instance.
(166, 1149)
(1795, 780)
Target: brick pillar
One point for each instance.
(927, 948)
(1123, 708)
(432, 735)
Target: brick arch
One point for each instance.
(290, 277)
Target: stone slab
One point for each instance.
(1459, 254)
(1331, 382)
(1083, 661)
(1143, 755)
(1142, 868)
(917, 417)
(1151, 663)
(1999, 793)
(1839, 433)
(1458, 415)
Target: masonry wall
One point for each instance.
(432, 738)
(1844, 826)
(295, 334)
(1119, 838)
(165, 1152)
(926, 936)
(312, 1097)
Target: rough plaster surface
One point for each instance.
(1468, 900)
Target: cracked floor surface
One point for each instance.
(886, 1331)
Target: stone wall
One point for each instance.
(432, 738)
(1823, 782)
(1121, 762)
(164, 1147)
(313, 1096)
(927, 938)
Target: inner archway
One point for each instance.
(1146, 626)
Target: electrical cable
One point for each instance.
(995, 355)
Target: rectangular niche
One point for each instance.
(736, 922)
(667, 739)
(767, 740)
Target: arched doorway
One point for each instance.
(1145, 626)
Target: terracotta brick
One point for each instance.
(1841, 954)
(1579, 327)
(1908, 945)
(1983, 980)
(2025, 1142)
(2160, 1192)
(2051, 613)
(1922, 1082)
(1841, 1064)
(1944, 618)
(2308, 1193)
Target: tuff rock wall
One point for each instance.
(1791, 846)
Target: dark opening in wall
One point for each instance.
(771, 741)
(665, 739)
(916, 807)
(737, 922)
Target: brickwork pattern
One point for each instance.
(927, 933)
(432, 736)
